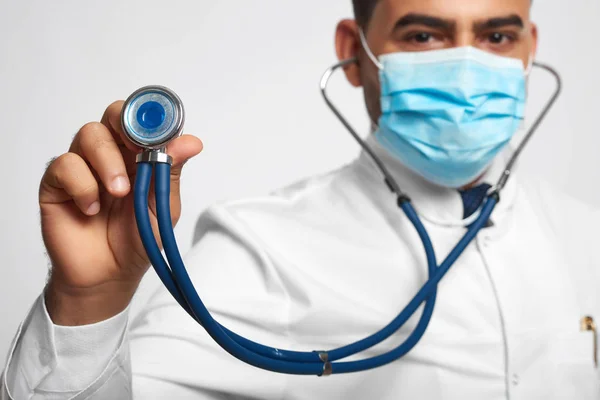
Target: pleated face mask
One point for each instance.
(446, 114)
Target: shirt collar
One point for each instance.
(436, 204)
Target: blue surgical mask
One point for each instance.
(446, 114)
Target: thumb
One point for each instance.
(182, 149)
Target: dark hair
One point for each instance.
(363, 9)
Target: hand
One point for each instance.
(88, 222)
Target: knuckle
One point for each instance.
(67, 161)
(90, 129)
(73, 172)
(113, 111)
(69, 165)
(100, 142)
(62, 167)
(115, 106)
(50, 163)
(94, 136)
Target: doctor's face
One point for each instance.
(502, 27)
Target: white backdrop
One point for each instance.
(248, 73)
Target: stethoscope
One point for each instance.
(154, 115)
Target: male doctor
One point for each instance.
(332, 259)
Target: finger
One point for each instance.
(70, 178)
(95, 144)
(112, 120)
(182, 149)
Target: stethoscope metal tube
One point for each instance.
(389, 180)
(517, 153)
(174, 276)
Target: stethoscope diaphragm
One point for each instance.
(153, 116)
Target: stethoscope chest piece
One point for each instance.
(152, 116)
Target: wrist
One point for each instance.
(77, 307)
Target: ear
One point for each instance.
(534, 38)
(347, 45)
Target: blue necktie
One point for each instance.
(472, 198)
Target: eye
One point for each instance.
(422, 37)
(499, 38)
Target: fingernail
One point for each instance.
(94, 208)
(120, 184)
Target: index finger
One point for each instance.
(112, 120)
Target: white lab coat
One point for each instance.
(331, 260)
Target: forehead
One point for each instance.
(459, 10)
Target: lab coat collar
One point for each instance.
(438, 205)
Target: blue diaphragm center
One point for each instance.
(151, 115)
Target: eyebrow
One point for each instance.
(445, 24)
(426, 20)
(499, 22)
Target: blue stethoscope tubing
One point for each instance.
(178, 282)
(175, 278)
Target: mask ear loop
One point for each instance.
(365, 45)
(389, 180)
(375, 61)
(529, 66)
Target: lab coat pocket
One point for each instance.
(575, 375)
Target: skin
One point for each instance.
(85, 195)
(464, 19)
(88, 223)
(484, 24)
